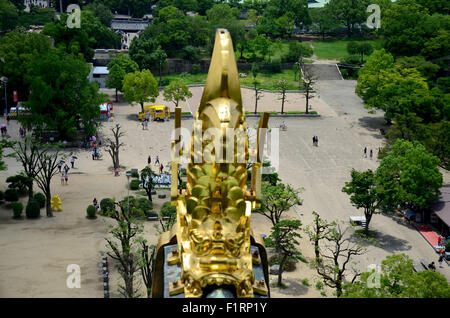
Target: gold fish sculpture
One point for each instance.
(212, 242)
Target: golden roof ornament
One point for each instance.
(212, 243)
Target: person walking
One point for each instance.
(93, 154)
(317, 141)
(371, 154)
(62, 178)
(60, 166)
(314, 140)
(149, 160)
(441, 259)
(365, 152)
(157, 160)
(66, 168)
(432, 266)
(66, 177)
(95, 203)
(7, 119)
(161, 167)
(72, 161)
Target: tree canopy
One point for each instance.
(408, 173)
(397, 278)
(140, 87)
(63, 99)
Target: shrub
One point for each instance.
(273, 67)
(33, 211)
(40, 198)
(2, 196)
(165, 82)
(289, 265)
(91, 212)
(137, 213)
(134, 173)
(352, 59)
(447, 246)
(11, 195)
(106, 204)
(17, 209)
(168, 210)
(144, 204)
(295, 49)
(134, 184)
(196, 68)
(18, 182)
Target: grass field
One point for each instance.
(265, 80)
(336, 49)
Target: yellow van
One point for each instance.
(155, 112)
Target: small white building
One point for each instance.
(99, 74)
(38, 3)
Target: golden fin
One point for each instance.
(223, 77)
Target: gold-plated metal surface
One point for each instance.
(213, 212)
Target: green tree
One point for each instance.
(122, 245)
(348, 12)
(167, 216)
(323, 21)
(417, 27)
(101, 12)
(278, 199)
(261, 45)
(8, 15)
(91, 35)
(140, 87)
(115, 78)
(397, 278)
(147, 263)
(282, 86)
(370, 76)
(285, 237)
(317, 231)
(408, 173)
(258, 94)
(63, 100)
(147, 181)
(161, 58)
(363, 193)
(18, 51)
(119, 66)
(48, 168)
(27, 152)
(177, 91)
(335, 253)
(360, 48)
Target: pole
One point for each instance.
(128, 174)
(6, 100)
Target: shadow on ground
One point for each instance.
(386, 242)
(293, 287)
(373, 123)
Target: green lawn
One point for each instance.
(335, 49)
(266, 81)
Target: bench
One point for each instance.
(424, 263)
(416, 267)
